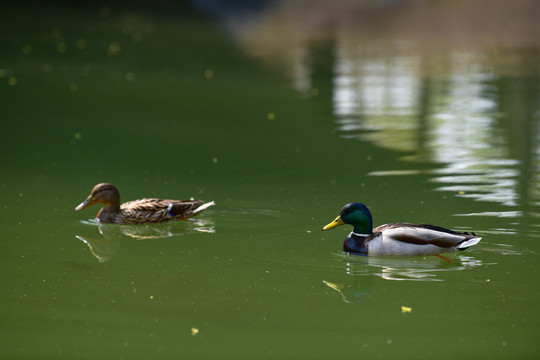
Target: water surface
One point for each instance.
(281, 123)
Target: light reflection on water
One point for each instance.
(455, 123)
(446, 104)
(450, 106)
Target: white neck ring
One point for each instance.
(357, 234)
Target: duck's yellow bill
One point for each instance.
(334, 223)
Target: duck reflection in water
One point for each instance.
(105, 247)
(357, 285)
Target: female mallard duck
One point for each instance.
(141, 211)
(398, 239)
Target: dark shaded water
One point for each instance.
(281, 123)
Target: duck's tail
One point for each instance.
(467, 243)
(203, 207)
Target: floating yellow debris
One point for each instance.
(61, 47)
(26, 49)
(271, 116)
(80, 44)
(209, 73)
(406, 309)
(215, 160)
(194, 331)
(114, 48)
(130, 76)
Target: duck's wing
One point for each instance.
(174, 207)
(423, 234)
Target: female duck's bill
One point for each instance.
(86, 203)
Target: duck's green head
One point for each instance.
(355, 214)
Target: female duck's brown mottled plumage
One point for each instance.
(141, 211)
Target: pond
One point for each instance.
(281, 113)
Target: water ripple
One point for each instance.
(499, 214)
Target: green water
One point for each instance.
(280, 131)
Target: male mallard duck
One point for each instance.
(398, 239)
(141, 211)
